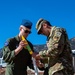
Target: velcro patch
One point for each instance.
(57, 36)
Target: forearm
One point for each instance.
(17, 50)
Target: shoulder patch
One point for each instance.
(6, 43)
(58, 34)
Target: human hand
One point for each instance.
(39, 64)
(20, 47)
(38, 57)
(34, 55)
(22, 44)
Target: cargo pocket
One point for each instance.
(55, 68)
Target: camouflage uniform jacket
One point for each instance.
(59, 53)
(16, 64)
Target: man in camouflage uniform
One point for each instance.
(58, 55)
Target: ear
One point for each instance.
(45, 25)
(20, 28)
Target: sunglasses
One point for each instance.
(27, 31)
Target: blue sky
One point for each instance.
(59, 12)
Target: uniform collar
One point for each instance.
(17, 38)
(51, 32)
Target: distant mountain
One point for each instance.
(72, 42)
(37, 48)
(0, 53)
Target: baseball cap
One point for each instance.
(39, 24)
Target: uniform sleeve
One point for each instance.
(8, 54)
(55, 45)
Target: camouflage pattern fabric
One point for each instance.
(59, 53)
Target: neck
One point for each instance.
(20, 36)
(49, 30)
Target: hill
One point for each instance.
(72, 42)
(37, 48)
(0, 53)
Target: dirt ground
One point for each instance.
(2, 71)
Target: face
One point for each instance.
(25, 31)
(44, 30)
